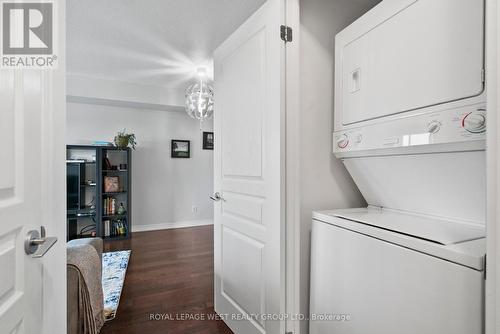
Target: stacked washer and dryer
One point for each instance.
(410, 123)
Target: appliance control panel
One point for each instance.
(464, 124)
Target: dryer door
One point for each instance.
(407, 55)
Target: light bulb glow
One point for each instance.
(202, 72)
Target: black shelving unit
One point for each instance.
(86, 192)
(119, 224)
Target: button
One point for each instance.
(359, 138)
(474, 122)
(342, 141)
(434, 126)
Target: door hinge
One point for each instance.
(286, 33)
(485, 267)
(483, 75)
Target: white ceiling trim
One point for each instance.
(122, 104)
(86, 89)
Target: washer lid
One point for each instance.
(431, 229)
(457, 242)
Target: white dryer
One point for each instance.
(410, 123)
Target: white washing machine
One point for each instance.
(378, 271)
(409, 127)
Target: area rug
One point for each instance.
(114, 268)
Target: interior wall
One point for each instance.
(325, 183)
(164, 190)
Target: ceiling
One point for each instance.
(154, 42)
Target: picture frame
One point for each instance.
(180, 148)
(208, 140)
(111, 184)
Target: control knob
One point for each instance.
(474, 122)
(342, 141)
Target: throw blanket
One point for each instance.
(85, 260)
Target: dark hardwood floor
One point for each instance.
(170, 274)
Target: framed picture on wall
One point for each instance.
(208, 140)
(180, 149)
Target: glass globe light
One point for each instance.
(200, 99)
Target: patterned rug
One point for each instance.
(114, 267)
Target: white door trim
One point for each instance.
(493, 168)
(292, 140)
(54, 181)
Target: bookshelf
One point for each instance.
(98, 192)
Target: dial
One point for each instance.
(474, 122)
(342, 141)
(434, 126)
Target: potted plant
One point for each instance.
(124, 139)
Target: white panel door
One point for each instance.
(32, 194)
(249, 222)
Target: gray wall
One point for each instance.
(325, 183)
(164, 189)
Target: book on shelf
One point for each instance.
(107, 228)
(109, 206)
(119, 228)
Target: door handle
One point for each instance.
(37, 244)
(217, 197)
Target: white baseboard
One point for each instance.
(164, 226)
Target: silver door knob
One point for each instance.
(37, 244)
(217, 197)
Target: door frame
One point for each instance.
(292, 168)
(493, 167)
(53, 107)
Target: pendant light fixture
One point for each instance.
(200, 97)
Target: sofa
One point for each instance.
(84, 286)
